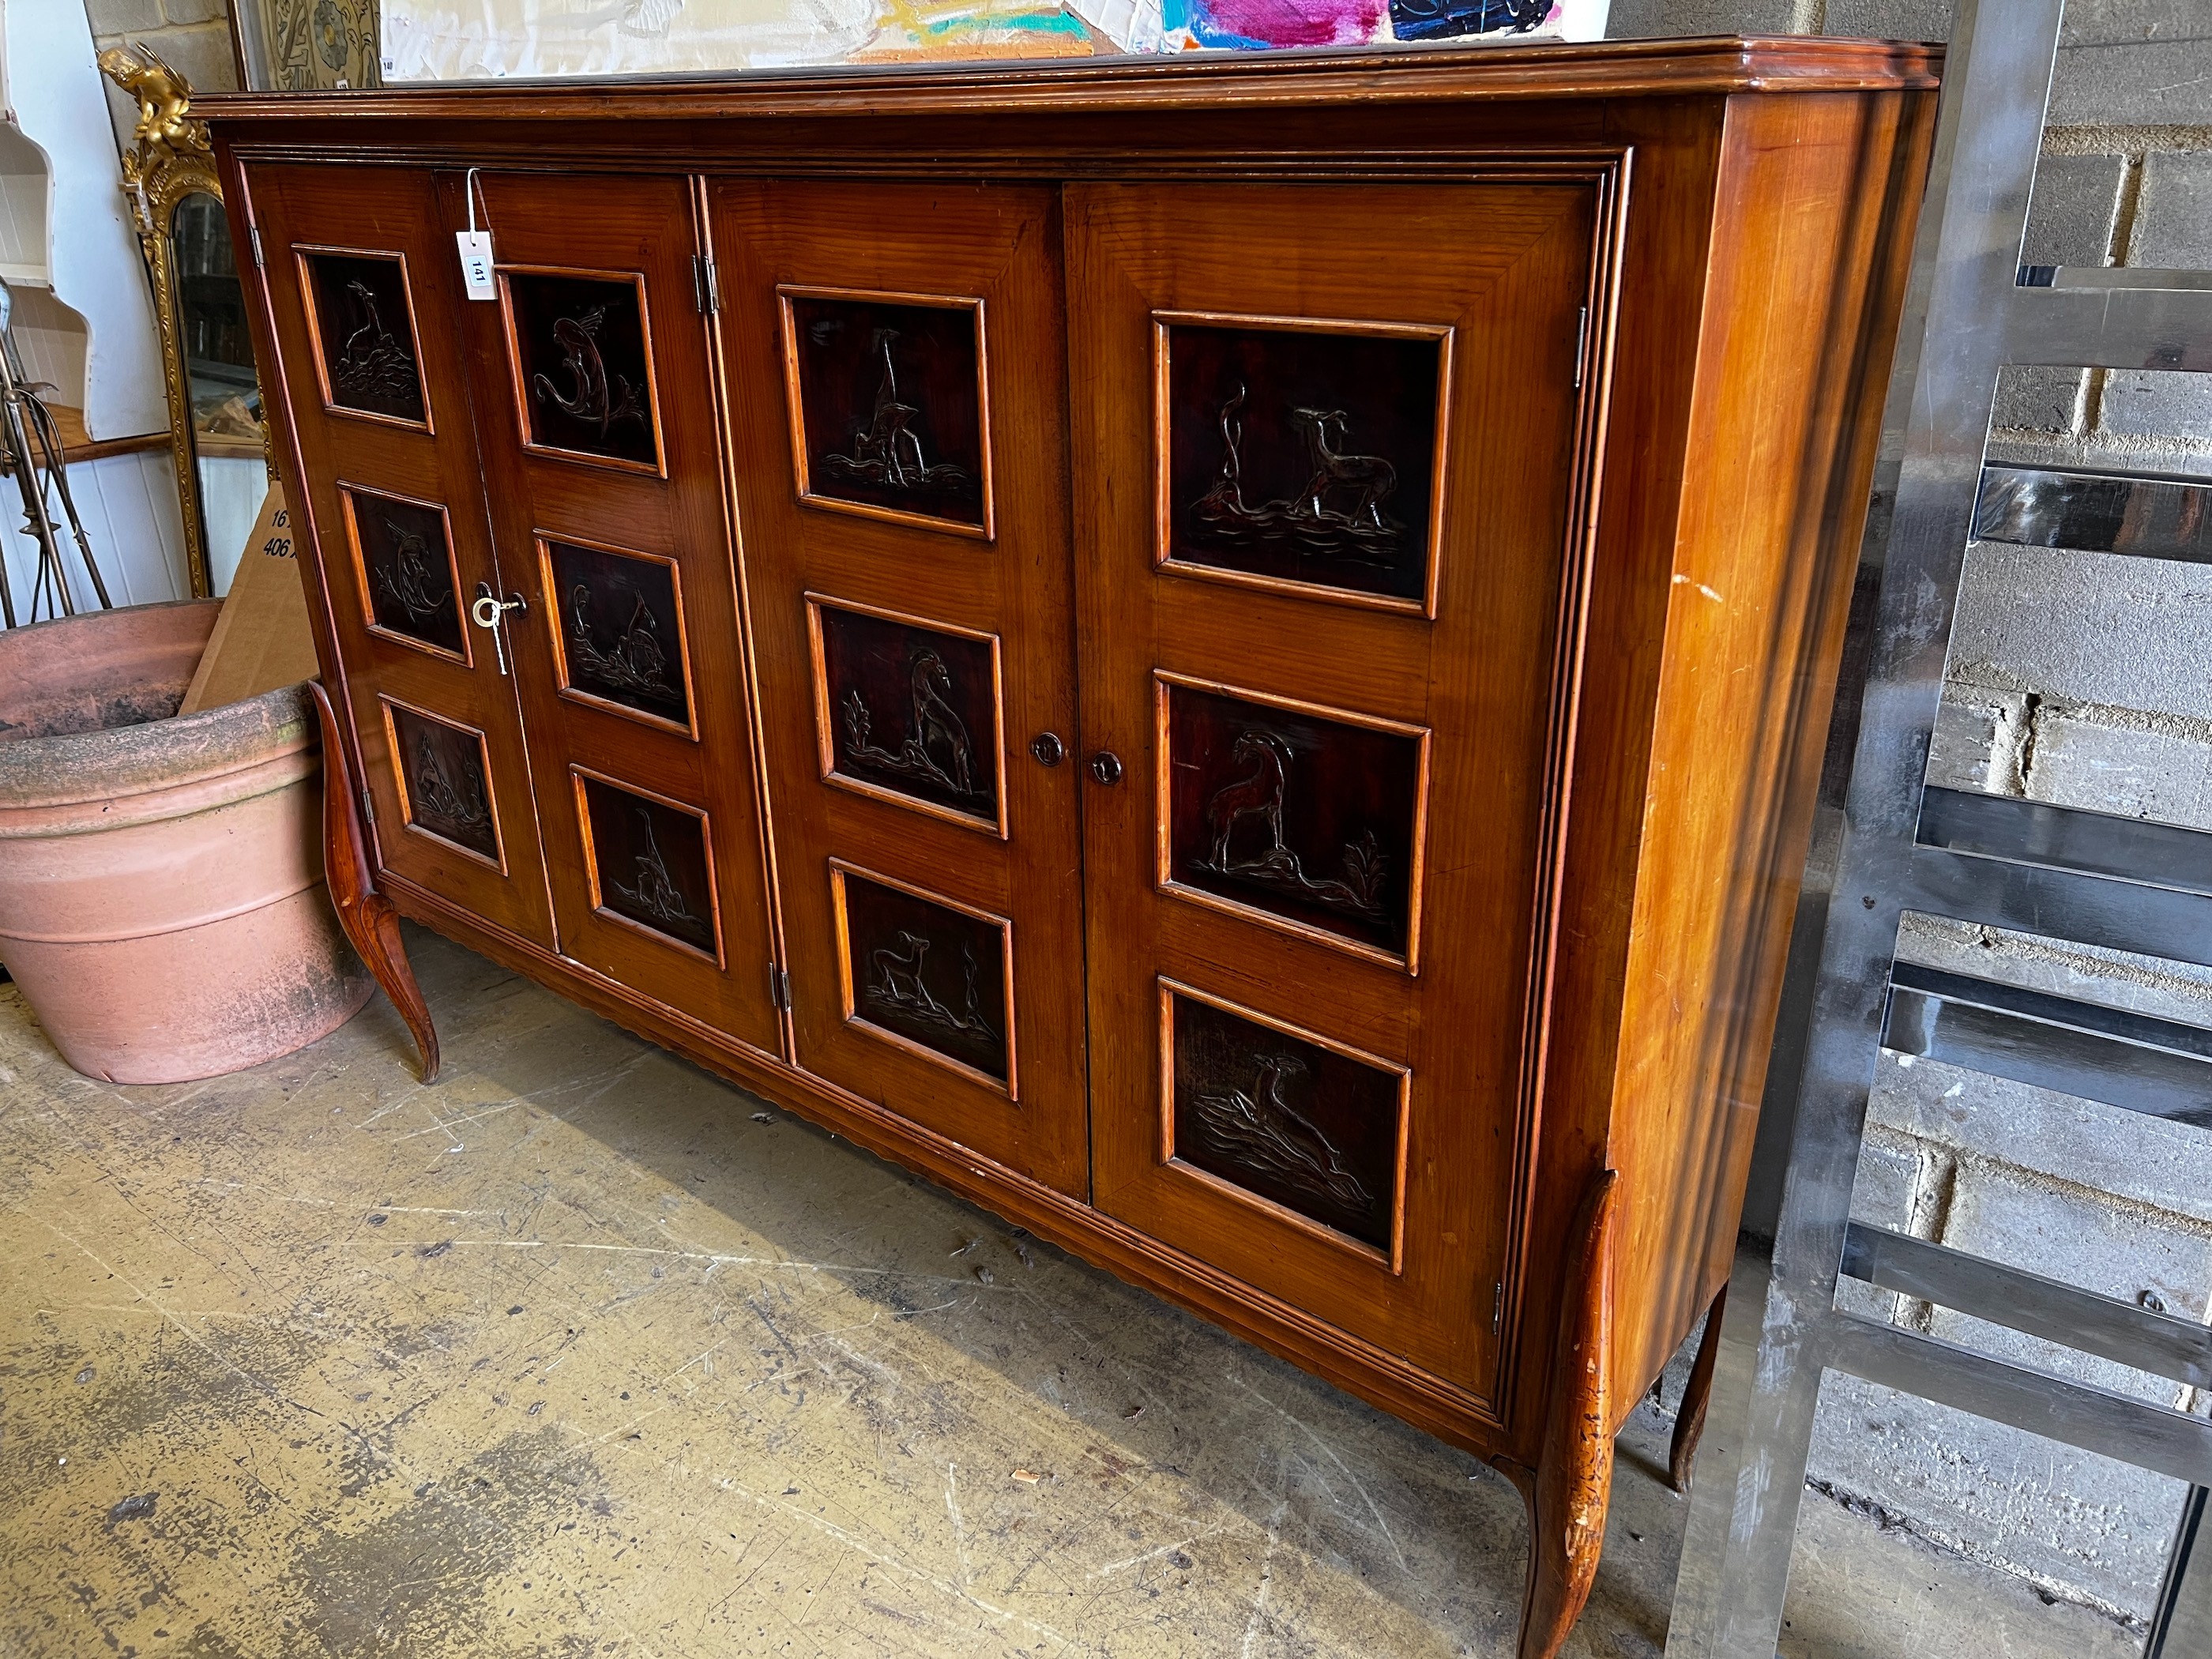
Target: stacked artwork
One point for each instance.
(474, 39)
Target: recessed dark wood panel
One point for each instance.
(443, 770)
(1293, 1121)
(1302, 455)
(911, 709)
(583, 375)
(370, 358)
(620, 628)
(927, 972)
(890, 405)
(1315, 820)
(649, 862)
(407, 569)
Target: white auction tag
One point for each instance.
(475, 262)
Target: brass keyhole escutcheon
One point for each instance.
(1106, 766)
(1048, 748)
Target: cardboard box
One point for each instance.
(262, 640)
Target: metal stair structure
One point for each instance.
(1889, 844)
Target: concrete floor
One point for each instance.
(582, 1353)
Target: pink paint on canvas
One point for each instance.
(1297, 22)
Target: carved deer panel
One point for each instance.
(910, 709)
(926, 971)
(1297, 455)
(364, 323)
(887, 401)
(1299, 1122)
(583, 377)
(444, 780)
(649, 862)
(406, 569)
(620, 628)
(1311, 820)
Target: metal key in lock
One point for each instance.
(489, 612)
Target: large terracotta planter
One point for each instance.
(162, 897)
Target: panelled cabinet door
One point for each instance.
(366, 296)
(594, 375)
(894, 357)
(1325, 464)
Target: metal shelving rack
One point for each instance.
(1888, 844)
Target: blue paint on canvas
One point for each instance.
(1438, 20)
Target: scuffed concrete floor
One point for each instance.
(575, 1355)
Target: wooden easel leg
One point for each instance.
(1690, 1419)
(1573, 1483)
(370, 920)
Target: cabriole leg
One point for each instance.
(1573, 1482)
(370, 920)
(1690, 1417)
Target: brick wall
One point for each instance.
(2080, 679)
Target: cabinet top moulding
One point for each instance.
(1192, 82)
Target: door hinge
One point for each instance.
(367, 806)
(1582, 344)
(706, 283)
(779, 987)
(253, 235)
(1498, 1307)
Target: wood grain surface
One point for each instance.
(388, 211)
(1491, 851)
(1573, 1484)
(1506, 267)
(625, 237)
(370, 919)
(996, 247)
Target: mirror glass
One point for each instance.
(228, 453)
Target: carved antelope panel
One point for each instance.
(407, 571)
(911, 709)
(1294, 1121)
(650, 865)
(889, 405)
(446, 779)
(364, 330)
(1303, 456)
(621, 629)
(582, 370)
(1313, 820)
(927, 972)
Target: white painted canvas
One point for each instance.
(481, 40)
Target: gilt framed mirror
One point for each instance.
(218, 427)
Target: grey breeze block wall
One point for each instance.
(2080, 679)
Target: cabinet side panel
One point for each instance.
(1644, 355)
(1817, 198)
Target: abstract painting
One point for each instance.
(493, 40)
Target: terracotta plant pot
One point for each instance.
(162, 897)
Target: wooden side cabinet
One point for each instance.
(1226, 656)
